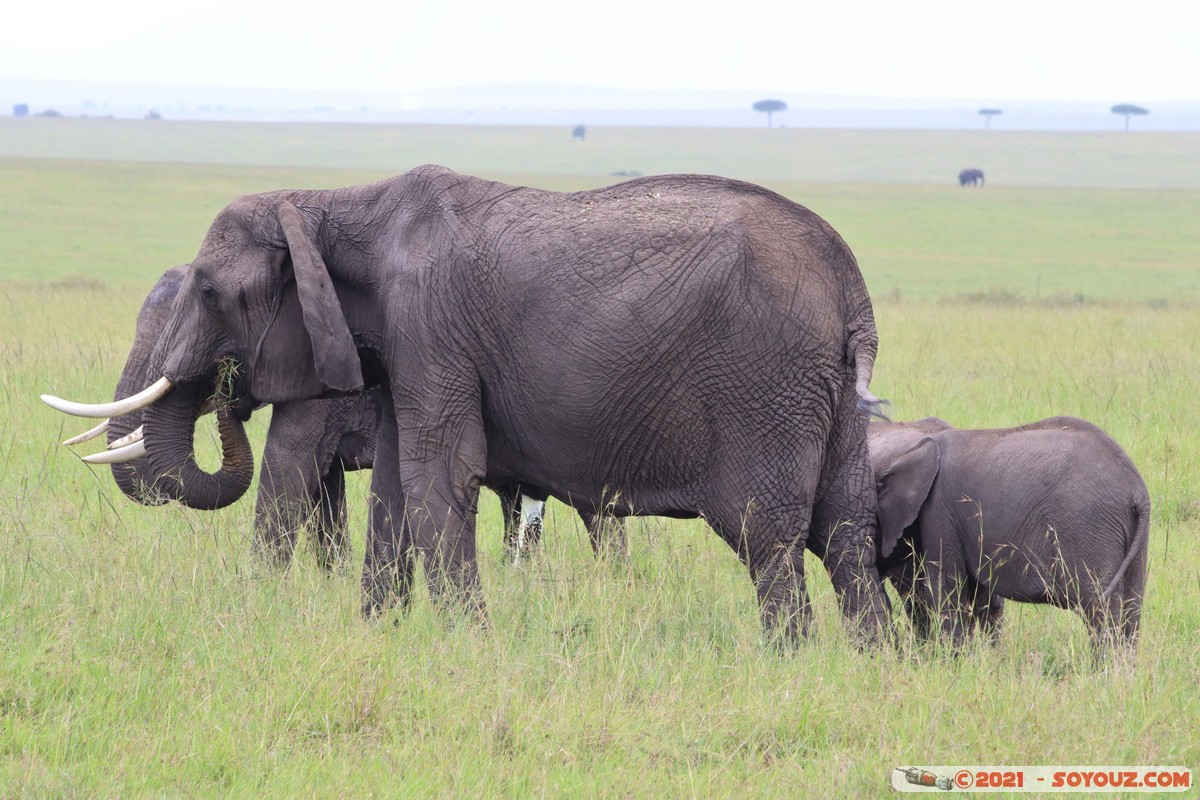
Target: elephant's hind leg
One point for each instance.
(768, 532)
(1113, 624)
(843, 519)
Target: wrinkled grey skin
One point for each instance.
(310, 446)
(970, 177)
(1050, 512)
(679, 345)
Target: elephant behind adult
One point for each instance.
(691, 345)
(1051, 512)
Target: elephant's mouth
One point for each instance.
(224, 384)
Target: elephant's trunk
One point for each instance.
(136, 482)
(134, 478)
(169, 427)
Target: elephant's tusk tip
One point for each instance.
(121, 455)
(87, 435)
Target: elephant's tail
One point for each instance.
(861, 347)
(1141, 519)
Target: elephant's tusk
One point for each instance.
(136, 436)
(114, 409)
(87, 435)
(129, 452)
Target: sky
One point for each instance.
(1093, 50)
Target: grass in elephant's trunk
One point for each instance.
(226, 383)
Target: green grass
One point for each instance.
(144, 652)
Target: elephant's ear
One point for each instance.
(902, 488)
(334, 354)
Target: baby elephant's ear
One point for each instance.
(902, 488)
(334, 354)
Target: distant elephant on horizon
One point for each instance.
(1051, 512)
(310, 446)
(970, 177)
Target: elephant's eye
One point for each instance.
(210, 296)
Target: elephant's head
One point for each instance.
(257, 313)
(136, 478)
(905, 459)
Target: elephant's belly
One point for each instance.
(660, 472)
(1012, 571)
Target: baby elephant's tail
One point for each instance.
(1141, 520)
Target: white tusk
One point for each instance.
(119, 456)
(114, 409)
(136, 436)
(87, 435)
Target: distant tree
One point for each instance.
(579, 132)
(21, 110)
(1128, 110)
(769, 107)
(153, 115)
(49, 112)
(988, 113)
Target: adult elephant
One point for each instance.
(1051, 512)
(970, 177)
(680, 345)
(310, 445)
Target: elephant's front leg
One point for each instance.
(989, 614)
(907, 578)
(389, 561)
(945, 590)
(285, 489)
(442, 466)
(330, 523)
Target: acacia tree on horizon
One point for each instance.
(769, 107)
(988, 113)
(1128, 110)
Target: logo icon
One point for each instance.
(923, 777)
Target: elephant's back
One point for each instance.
(1017, 485)
(700, 242)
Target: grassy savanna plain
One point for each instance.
(143, 651)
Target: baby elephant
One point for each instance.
(1051, 512)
